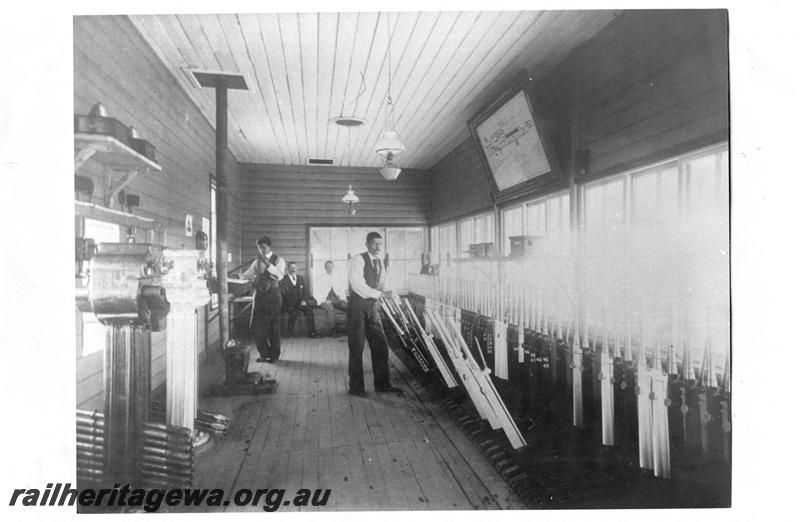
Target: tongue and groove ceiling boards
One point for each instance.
(305, 69)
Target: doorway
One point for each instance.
(403, 245)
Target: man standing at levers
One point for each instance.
(265, 320)
(367, 279)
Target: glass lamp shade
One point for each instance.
(350, 197)
(390, 173)
(389, 145)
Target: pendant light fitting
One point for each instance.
(389, 146)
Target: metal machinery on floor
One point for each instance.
(135, 289)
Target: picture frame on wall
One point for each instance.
(514, 143)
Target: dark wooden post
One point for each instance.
(222, 212)
(221, 82)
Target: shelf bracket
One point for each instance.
(83, 156)
(116, 188)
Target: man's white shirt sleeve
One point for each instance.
(278, 269)
(324, 286)
(321, 288)
(251, 272)
(340, 287)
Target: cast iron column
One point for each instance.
(222, 211)
(221, 82)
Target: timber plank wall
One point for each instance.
(650, 85)
(115, 66)
(459, 185)
(281, 201)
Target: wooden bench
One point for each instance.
(325, 323)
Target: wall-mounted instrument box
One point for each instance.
(120, 162)
(144, 147)
(99, 123)
(88, 124)
(481, 250)
(521, 246)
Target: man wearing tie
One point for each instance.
(266, 272)
(296, 300)
(367, 279)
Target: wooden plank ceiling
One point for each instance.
(305, 69)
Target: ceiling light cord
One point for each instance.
(389, 146)
(389, 106)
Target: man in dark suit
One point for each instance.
(296, 300)
(367, 279)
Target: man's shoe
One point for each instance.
(357, 393)
(263, 359)
(389, 389)
(268, 359)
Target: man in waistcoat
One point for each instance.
(266, 272)
(367, 279)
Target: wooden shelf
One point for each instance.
(115, 156)
(92, 211)
(111, 153)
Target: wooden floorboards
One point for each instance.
(382, 452)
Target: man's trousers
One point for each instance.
(267, 323)
(364, 320)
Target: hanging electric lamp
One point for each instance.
(389, 147)
(351, 199)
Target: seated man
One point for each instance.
(330, 291)
(296, 300)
